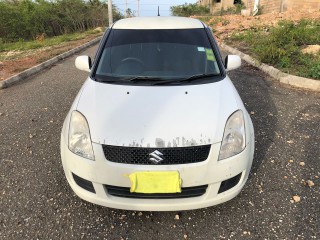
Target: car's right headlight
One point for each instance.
(234, 137)
(79, 136)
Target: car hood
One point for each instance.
(158, 116)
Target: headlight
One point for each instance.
(234, 137)
(79, 136)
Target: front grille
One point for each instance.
(139, 155)
(185, 193)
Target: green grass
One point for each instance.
(47, 42)
(281, 46)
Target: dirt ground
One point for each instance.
(14, 62)
(225, 25)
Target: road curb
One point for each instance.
(282, 77)
(31, 71)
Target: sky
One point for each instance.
(150, 7)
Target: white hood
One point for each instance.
(157, 116)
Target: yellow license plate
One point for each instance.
(155, 182)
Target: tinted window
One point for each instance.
(165, 54)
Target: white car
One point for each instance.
(158, 125)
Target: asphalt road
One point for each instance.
(37, 203)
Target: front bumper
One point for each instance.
(210, 172)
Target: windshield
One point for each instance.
(157, 55)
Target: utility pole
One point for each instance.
(110, 12)
(138, 8)
(126, 10)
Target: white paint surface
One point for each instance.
(158, 23)
(157, 116)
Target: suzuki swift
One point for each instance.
(158, 125)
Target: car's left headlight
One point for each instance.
(234, 137)
(79, 136)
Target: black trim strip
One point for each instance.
(185, 193)
(216, 50)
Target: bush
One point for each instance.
(281, 46)
(236, 9)
(187, 10)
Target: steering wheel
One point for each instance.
(132, 59)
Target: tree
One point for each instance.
(129, 13)
(27, 19)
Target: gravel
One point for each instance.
(37, 203)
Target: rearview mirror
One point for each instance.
(232, 62)
(83, 63)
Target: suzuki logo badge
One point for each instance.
(156, 157)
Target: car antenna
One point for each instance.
(158, 12)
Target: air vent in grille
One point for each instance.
(139, 155)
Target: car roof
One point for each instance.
(158, 23)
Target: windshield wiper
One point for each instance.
(141, 79)
(154, 80)
(133, 79)
(188, 79)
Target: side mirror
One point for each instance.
(83, 63)
(232, 62)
